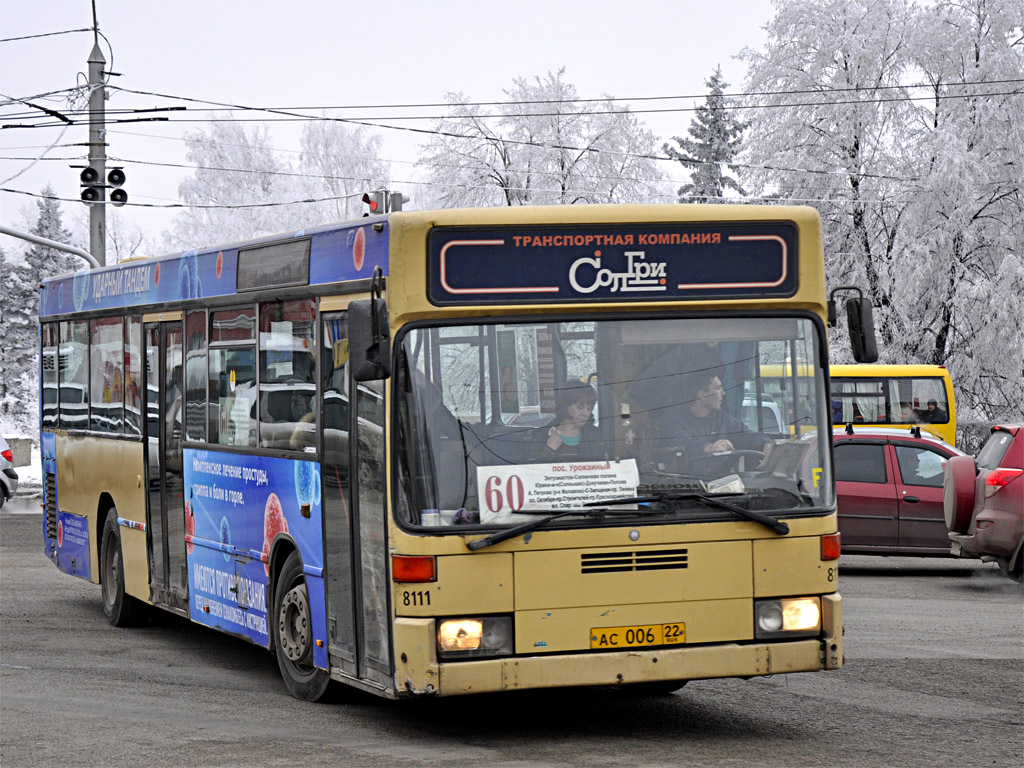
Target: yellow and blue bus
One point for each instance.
(350, 445)
(895, 395)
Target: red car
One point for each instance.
(889, 491)
(984, 501)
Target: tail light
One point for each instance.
(998, 478)
(8, 454)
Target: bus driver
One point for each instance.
(701, 426)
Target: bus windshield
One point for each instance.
(499, 422)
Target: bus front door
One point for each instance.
(168, 570)
(353, 471)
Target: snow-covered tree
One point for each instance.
(715, 138)
(542, 147)
(897, 122)
(44, 261)
(829, 98)
(242, 188)
(963, 230)
(238, 191)
(19, 338)
(340, 163)
(125, 239)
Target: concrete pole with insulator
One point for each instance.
(98, 154)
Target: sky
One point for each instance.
(308, 53)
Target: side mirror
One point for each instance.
(861, 319)
(369, 340)
(369, 343)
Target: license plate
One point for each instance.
(637, 636)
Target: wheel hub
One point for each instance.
(294, 625)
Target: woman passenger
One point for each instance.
(571, 434)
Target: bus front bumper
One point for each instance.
(425, 675)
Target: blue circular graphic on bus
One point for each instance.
(189, 286)
(81, 284)
(225, 537)
(306, 486)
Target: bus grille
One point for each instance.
(653, 560)
(51, 505)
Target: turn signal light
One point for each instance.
(830, 546)
(412, 568)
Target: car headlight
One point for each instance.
(787, 617)
(485, 636)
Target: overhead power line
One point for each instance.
(665, 195)
(44, 34)
(373, 121)
(738, 95)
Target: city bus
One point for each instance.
(890, 395)
(336, 444)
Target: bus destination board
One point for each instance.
(611, 263)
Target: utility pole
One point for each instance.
(98, 152)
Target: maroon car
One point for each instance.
(984, 501)
(889, 491)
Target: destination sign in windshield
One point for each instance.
(606, 263)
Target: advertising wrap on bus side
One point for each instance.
(228, 549)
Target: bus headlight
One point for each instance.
(787, 617)
(486, 636)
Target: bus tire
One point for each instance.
(120, 608)
(293, 634)
(958, 493)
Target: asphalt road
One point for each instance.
(934, 676)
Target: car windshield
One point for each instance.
(501, 422)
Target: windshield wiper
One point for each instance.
(776, 525)
(511, 533)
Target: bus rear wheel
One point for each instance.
(120, 608)
(293, 634)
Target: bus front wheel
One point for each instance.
(120, 608)
(293, 634)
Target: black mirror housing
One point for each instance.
(369, 340)
(861, 319)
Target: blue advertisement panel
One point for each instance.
(336, 253)
(73, 544)
(350, 253)
(602, 263)
(235, 507)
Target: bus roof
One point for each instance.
(351, 251)
(876, 369)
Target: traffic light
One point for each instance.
(115, 179)
(395, 200)
(375, 201)
(92, 185)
